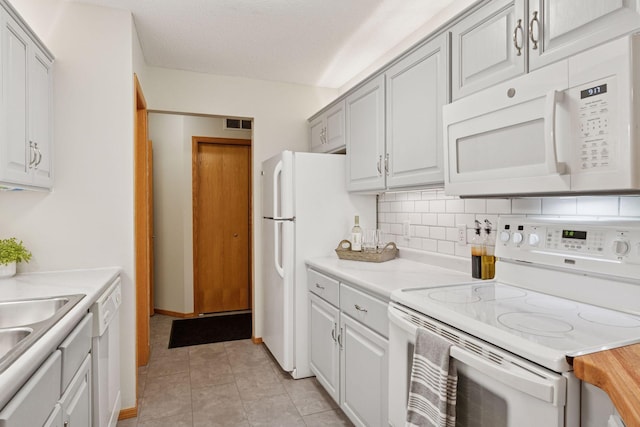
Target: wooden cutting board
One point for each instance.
(617, 372)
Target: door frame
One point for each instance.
(195, 141)
(141, 227)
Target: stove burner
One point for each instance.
(490, 292)
(458, 296)
(535, 324)
(618, 320)
(551, 303)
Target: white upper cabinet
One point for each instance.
(506, 38)
(558, 29)
(417, 88)
(326, 130)
(488, 47)
(26, 106)
(365, 131)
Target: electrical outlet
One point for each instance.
(462, 235)
(406, 229)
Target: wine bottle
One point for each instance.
(356, 235)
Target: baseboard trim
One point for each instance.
(256, 340)
(175, 314)
(128, 413)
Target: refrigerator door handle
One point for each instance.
(276, 249)
(277, 173)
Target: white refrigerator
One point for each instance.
(306, 211)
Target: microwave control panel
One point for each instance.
(588, 245)
(596, 145)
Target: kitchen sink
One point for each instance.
(23, 322)
(25, 312)
(10, 337)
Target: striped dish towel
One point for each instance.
(432, 392)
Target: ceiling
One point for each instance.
(313, 42)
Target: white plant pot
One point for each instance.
(7, 270)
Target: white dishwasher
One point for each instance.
(105, 361)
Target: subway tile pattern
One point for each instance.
(235, 383)
(433, 217)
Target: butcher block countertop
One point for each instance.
(617, 372)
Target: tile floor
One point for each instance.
(235, 383)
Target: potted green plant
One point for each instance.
(11, 253)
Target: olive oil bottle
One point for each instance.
(488, 259)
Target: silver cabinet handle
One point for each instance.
(517, 30)
(333, 332)
(39, 157)
(362, 309)
(531, 36)
(340, 339)
(32, 154)
(386, 164)
(379, 165)
(319, 287)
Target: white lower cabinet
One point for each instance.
(76, 400)
(349, 348)
(364, 383)
(324, 352)
(47, 399)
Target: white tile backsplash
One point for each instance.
(434, 216)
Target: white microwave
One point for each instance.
(570, 127)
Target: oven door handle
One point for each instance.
(517, 378)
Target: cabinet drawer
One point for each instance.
(366, 309)
(323, 286)
(74, 350)
(35, 401)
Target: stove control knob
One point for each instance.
(534, 239)
(517, 238)
(504, 236)
(620, 247)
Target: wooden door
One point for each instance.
(150, 235)
(221, 225)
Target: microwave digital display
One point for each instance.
(593, 91)
(573, 234)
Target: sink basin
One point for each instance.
(25, 312)
(9, 338)
(23, 322)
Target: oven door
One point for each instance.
(495, 389)
(504, 139)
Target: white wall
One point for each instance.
(279, 112)
(87, 221)
(173, 226)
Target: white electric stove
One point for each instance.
(562, 289)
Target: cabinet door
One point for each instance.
(317, 128)
(417, 88)
(365, 137)
(488, 47)
(40, 117)
(564, 28)
(76, 401)
(334, 130)
(16, 154)
(323, 344)
(365, 374)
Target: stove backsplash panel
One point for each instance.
(434, 217)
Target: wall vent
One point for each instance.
(237, 124)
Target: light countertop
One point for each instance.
(413, 269)
(91, 283)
